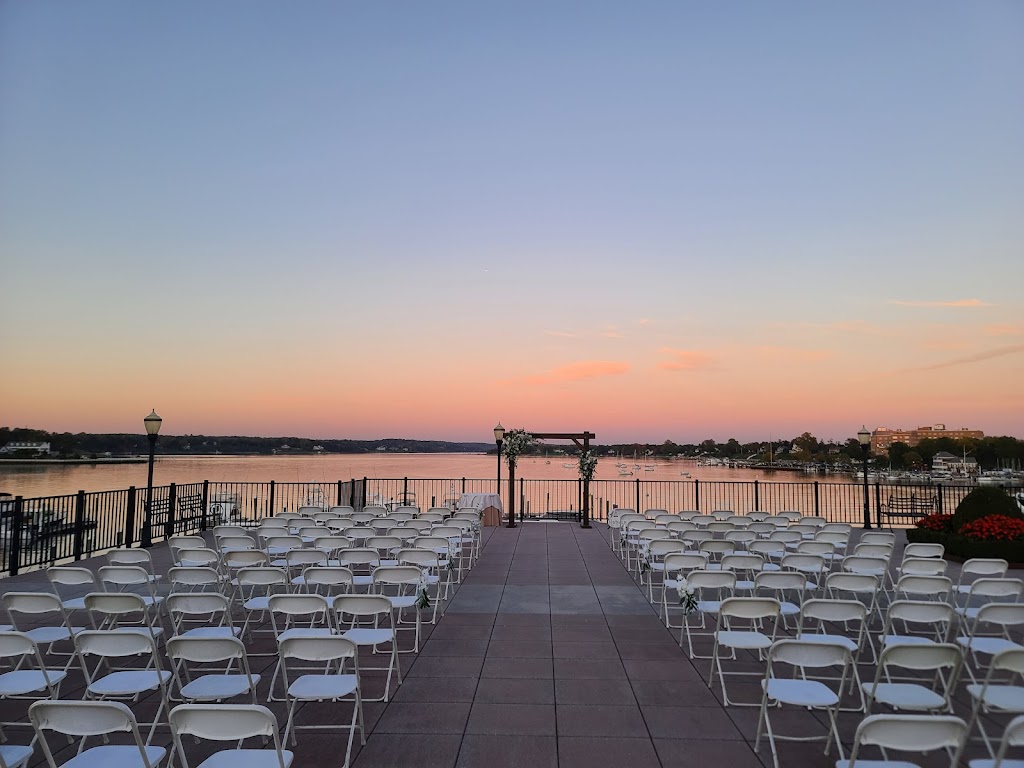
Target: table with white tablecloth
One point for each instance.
(488, 504)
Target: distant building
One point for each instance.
(966, 466)
(883, 437)
(41, 449)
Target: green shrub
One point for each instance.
(984, 501)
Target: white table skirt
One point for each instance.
(480, 501)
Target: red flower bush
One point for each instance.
(994, 528)
(936, 522)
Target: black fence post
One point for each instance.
(17, 525)
(405, 490)
(203, 521)
(172, 499)
(696, 495)
(941, 499)
(270, 501)
(338, 496)
(817, 500)
(878, 503)
(129, 518)
(638, 509)
(79, 525)
(757, 496)
(362, 496)
(522, 500)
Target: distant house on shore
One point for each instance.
(39, 449)
(966, 466)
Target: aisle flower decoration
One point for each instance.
(516, 441)
(645, 557)
(687, 596)
(587, 466)
(422, 596)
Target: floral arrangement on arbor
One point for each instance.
(587, 466)
(516, 441)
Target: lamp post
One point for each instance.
(152, 423)
(499, 437)
(864, 438)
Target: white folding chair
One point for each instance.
(917, 622)
(82, 580)
(122, 612)
(800, 689)
(93, 718)
(433, 572)
(1000, 697)
(334, 684)
(186, 578)
(126, 578)
(909, 693)
(190, 659)
(788, 587)
(139, 557)
(28, 679)
(327, 580)
(201, 614)
(924, 550)
(124, 683)
(990, 633)
(741, 621)
(979, 567)
(38, 605)
(229, 722)
(678, 565)
(907, 733)
(710, 588)
(829, 621)
(351, 613)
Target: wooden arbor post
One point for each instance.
(576, 437)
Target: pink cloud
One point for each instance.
(581, 371)
(685, 360)
(561, 334)
(958, 303)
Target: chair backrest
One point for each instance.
(261, 577)
(106, 609)
(32, 603)
(396, 575)
(934, 617)
(308, 510)
(815, 547)
(938, 587)
(878, 537)
(313, 608)
(244, 558)
(323, 648)
(829, 611)
(680, 526)
(696, 536)
(721, 526)
(911, 733)
(924, 566)
(786, 536)
(225, 543)
(861, 583)
(767, 548)
(685, 561)
(70, 575)
(22, 653)
(197, 556)
(193, 576)
(711, 580)
(341, 510)
(362, 605)
(997, 588)
(225, 722)
(1003, 614)
(205, 650)
(213, 608)
(741, 537)
(921, 549)
(809, 655)
(748, 608)
(327, 575)
(661, 547)
(87, 718)
(743, 561)
(124, 575)
(131, 557)
(804, 563)
(780, 581)
(876, 566)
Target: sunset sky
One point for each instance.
(660, 220)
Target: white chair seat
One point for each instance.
(989, 645)
(215, 687)
(157, 631)
(787, 608)
(970, 613)
(888, 640)
(46, 635)
(1009, 698)
(246, 758)
(14, 755)
(73, 604)
(709, 606)
(368, 636)
(800, 693)
(879, 764)
(905, 696)
(748, 640)
(305, 632)
(128, 683)
(362, 581)
(771, 567)
(213, 632)
(111, 755)
(257, 604)
(406, 601)
(991, 764)
(390, 563)
(24, 681)
(322, 687)
(842, 640)
(745, 584)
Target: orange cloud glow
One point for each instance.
(1004, 330)
(685, 360)
(959, 303)
(581, 371)
(792, 354)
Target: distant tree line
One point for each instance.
(82, 444)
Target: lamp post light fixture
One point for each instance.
(152, 423)
(864, 438)
(499, 438)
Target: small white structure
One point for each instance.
(41, 449)
(963, 466)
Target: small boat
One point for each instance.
(684, 474)
(43, 523)
(569, 466)
(625, 473)
(648, 467)
(224, 506)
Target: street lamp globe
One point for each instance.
(152, 423)
(499, 433)
(864, 437)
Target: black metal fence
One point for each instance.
(37, 532)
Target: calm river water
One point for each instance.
(61, 479)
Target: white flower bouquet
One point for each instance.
(687, 596)
(422, 596)
(516, 441)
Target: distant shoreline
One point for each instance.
(48, 462)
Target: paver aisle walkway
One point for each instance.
(550, 655)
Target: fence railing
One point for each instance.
(41, 531)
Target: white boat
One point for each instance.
(623, 472)
(648, 467)
(569, 466)
(224, 506)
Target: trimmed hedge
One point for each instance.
(960, 546)
(982, 502)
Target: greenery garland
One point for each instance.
(516, 441)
